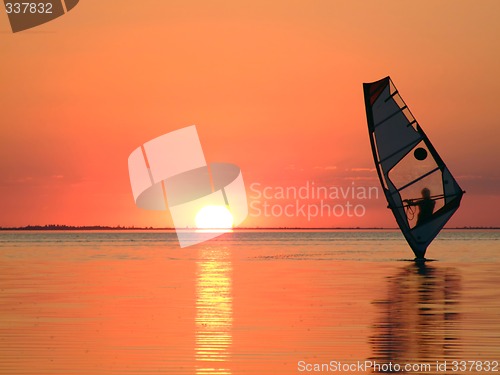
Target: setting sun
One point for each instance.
(214, 217)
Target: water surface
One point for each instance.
(249, 302)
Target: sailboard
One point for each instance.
(420, 190)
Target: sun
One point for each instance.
(214, 217)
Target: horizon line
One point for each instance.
(48, 227)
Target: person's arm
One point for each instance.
(410, 202)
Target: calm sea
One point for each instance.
(248, 302)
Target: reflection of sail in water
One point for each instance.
(419, 319)
(213, 311)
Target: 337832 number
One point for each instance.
(24, 8)
(475, 366)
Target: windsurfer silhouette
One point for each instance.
(425, 206)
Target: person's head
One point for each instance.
(426, 193)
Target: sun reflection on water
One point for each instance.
(214, 311)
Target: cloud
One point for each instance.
(359, 178)
(468, 177)
(326, 168)
(361, 169)
(16, 181)
(23, 180)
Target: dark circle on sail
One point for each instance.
(420, 153)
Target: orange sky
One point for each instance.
(274, 87)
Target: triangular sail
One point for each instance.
(419, 188)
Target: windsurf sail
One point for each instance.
(420, 190)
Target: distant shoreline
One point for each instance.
(123, 228)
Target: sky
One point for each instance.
(273, 87)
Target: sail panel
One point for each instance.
(420, 190)
(390, 135)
